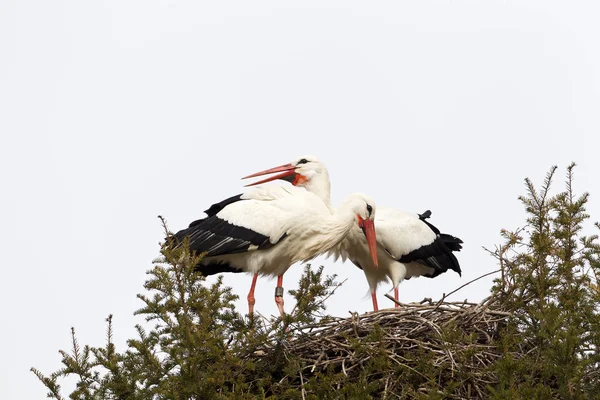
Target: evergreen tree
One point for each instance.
(549, 284)
(536, 337)
(198, 348)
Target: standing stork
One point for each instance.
(409, 246)
(267, 230)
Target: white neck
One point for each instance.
(320, 185)
(321, 190)
(322, 235)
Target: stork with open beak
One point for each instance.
(266, 230)
(409, 246)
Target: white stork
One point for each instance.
(409, 246)
(268, 229)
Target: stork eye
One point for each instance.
(369, 209)
(303, 161)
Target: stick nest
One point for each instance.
(413, 351)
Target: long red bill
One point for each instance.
(286, 169)
(281, 168)
(369, 230)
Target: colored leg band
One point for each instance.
(279, 291)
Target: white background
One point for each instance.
(113, 112)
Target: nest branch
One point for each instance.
(437, 343)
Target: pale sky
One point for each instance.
(113, 112)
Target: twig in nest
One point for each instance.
(409, 333)
(468, 283)
(302, 386)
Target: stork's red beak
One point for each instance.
(368, 227)
(287, 171)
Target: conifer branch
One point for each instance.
(536, 336)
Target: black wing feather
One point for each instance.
(426, 215)
(216, 268)
(437, 255)
(215, 208)
(215, 236)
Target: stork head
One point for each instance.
(364, 208)
(305, 171)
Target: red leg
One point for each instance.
(374, 297)
(396, 296)
(279, 295)
(251, 299)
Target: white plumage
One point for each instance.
(268, 229)
(408, 246)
